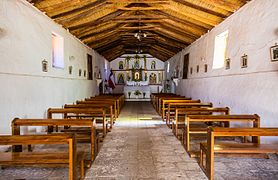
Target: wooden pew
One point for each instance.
(108, 107)
(255, 119)
(113, 102)
(210, 148)
(97, 113)
(153, 97)
(119, 99)
(172, 106)
(160, 105)
(160, 95)
(48, 159)
(80, 136)
(180, 114)
(166, 102)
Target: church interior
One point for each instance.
(139, 89)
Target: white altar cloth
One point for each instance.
(145, 92)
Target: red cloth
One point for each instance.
(111, 82)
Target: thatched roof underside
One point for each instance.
(108, 26)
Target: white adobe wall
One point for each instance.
(252, 31)
(25, 40)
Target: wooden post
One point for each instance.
(210, 154)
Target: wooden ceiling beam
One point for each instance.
(100, 33)
(183, 21)
(196, 18)
(139, 17)
(99, 37)
(98, 21)
(178, 31)
(174, 35)
(104, 43)
(157, 54)
(200, 8)
(137, 27)
(139, 1)
(140, 8)
(139, 21)
(108, 44)
(162, 49)
(77, 10)
(230, 6)
(170, 40)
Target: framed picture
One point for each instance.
(227, 63)
(274, 53)
(244, 61)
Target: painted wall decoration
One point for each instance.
(153, 64)
(121, 78)
(121, 65)
(152, 78)
(274, 53)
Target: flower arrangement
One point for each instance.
(137, 93)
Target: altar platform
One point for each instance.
(137, 91)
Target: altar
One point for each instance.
(137, 91)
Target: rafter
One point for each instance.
(200, 8)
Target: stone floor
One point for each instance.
(141, 146)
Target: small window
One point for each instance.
(206, 68)
(168, 67)
(57, 51)
(220, 48)
(191, 70)
(197, 68)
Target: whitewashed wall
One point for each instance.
(25, 40)
(252, 31)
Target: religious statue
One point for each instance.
(152, 78)
(153, 65)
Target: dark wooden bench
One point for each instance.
(49, 159)
(88, 136)
(210, 148)
(190, 119)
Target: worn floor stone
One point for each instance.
(141, 146)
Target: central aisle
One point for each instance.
(141, 146)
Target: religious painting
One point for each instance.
(153, 64)
(121, 79)
(244, 61)
(228, 63)
(44, 65)
(274, 53)
(136, 64)
(121, 65)
(152, 78)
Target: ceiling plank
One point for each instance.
(98, 21)
(200, 8)
(77, 10)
